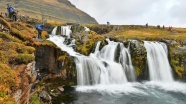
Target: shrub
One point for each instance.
(8, 81)
(24, 58)
(3, 58)
(9, 37)
(35, 99)
(18, 34)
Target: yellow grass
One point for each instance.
(149, 34)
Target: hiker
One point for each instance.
(40, 29)
(158, 26)
(108, 24)
(147, 25)
(170, 28)
(10, 10)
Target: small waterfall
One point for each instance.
(100, 67)
(108, 52)
(97, 48)
(125, 60)
(157, 56)
(64, 30)
(54, 31)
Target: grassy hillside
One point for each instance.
(139, 32)
(59, 10)
(17, 46)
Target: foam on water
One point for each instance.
(127, 88)
(99, 72)
(169, 86)
(135, 88)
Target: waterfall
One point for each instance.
(54, 31)
(65, 30)
(101, 66)
(125, 60)
(158, 64)
(97, 48)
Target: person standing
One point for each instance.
(40, 29)
(10, 10)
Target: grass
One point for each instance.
(9, 37)
(35, 99)
(4, 22)
(24, 58)
(46, 43)
(150, 33)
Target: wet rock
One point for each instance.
(45, 96)
(139, 57)
(60, 88)
(46, 58)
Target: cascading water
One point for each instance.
(64, 30)
(100, 67)
(159, 68)
(100, 75)
(125, 60)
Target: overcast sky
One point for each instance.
(153, 12)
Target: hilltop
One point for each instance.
(58, 10)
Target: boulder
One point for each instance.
(45, 96)
(60, 88)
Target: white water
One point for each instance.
(103, 79)
(101, 66)
(158, 63)
(65, 30)
(100, 72)
(125, 60)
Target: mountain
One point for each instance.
(58, 10)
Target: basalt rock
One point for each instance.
(55, 62)
(45, 97)
(139, 58)
(46, 58)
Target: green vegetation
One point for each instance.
(9, 37)
(35, 99)
(175, 60)
(87, 47)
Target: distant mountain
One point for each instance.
(60, 10)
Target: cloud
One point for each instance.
(154, 12)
